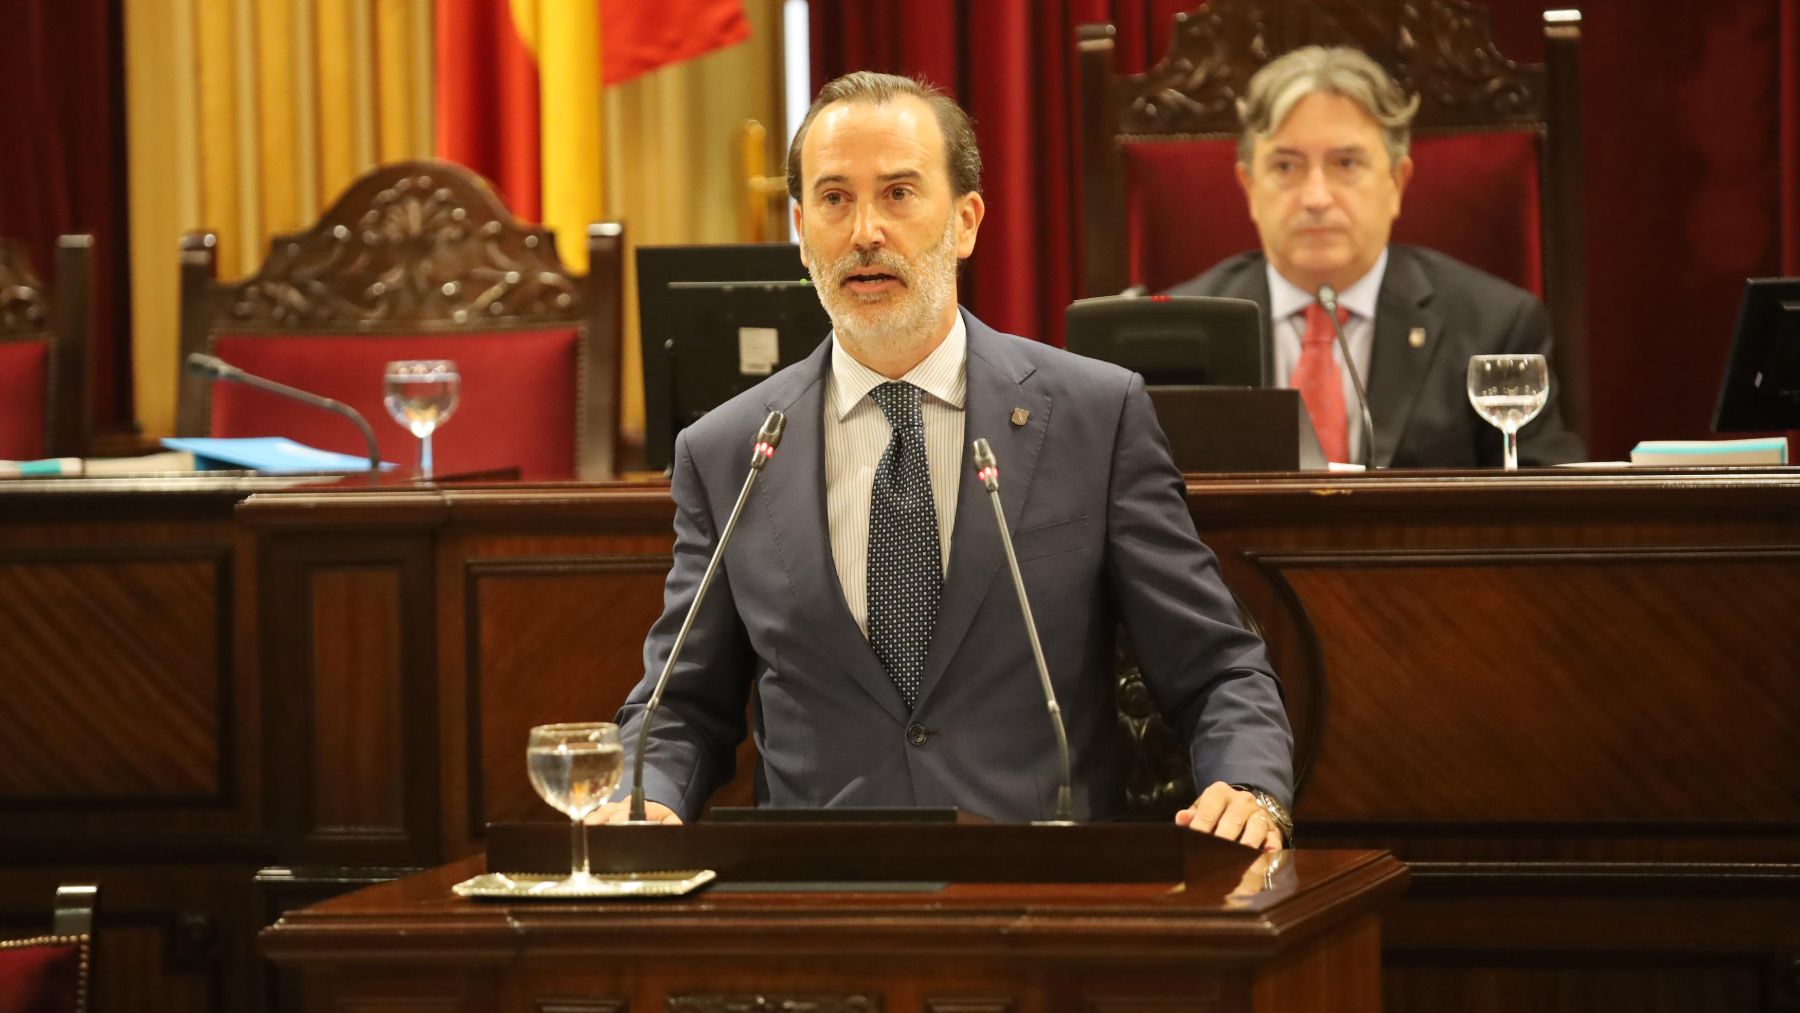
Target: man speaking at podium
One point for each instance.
(865, 601)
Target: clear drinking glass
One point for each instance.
(1509, 391)
(421, 395)
(575, 768)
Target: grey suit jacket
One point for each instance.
(1103, 534)
(1418, 395)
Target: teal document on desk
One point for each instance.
(269, 455)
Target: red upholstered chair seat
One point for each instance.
(518, 404)
(24, 367)
(1473, 196)
(44, 975)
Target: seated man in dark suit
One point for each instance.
(864, 607)
(1323, 160)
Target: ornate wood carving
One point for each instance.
(24, 301)
(1160, 780)
(1443, 50)
(416, 244)
(773, 1003)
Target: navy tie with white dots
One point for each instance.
(905, 566)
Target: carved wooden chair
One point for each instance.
(43, 352)
(417, 260)
(51, 974)
(1496, 144)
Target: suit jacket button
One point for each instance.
(917, 733)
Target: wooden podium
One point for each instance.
(1202, 925)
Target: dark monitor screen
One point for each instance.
(1761, 390)
(716, 321)
(1173, 340)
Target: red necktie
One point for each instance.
(1321, 384)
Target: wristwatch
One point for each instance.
(1274, 810)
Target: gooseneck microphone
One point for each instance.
(219, 369)
(767, 439)
(1327, 297)
(988, 471)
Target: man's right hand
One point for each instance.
(619, 812)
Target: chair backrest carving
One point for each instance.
(416, 250)
(1483, 118)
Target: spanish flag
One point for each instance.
(519, 86)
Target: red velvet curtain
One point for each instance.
(1691, 128)
(62, 72)
(1789, 84)
(1009, 62)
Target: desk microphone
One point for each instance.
(767, 439)
(988, 471)
(219, 369)
(1327, 297)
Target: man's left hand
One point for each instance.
(1233, 814)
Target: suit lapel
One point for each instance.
(1396, 366)
(996, 385)
(802, 535)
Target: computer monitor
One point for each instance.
(1761, 390)
(717, 320)
(1173, 340)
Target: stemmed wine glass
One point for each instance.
(1509, 391)
(575, 767)
(421, 395)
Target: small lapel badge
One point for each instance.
(1416, 337)
(1020, 416)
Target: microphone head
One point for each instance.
(211, 365)
(772, 428)
(767, 439)
(1327, 297)
(986, 468)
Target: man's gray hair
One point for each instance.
(961, 152)
(1279, 86)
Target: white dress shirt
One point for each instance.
(856, 435)
(1287, 316)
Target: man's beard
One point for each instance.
(896, 319)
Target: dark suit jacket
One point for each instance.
(1102, 532)
(1419, 397)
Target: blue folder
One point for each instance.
(270, 455)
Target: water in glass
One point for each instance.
(422, 403)
(421, 395)
(1510, 411)
(575, 777)
(575, 767)
(1509, 391)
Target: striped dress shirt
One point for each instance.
(1287, 309)
(856, 435)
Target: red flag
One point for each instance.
(487, 100)
(638, 36)
(489, 86)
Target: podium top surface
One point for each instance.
(1251, 908)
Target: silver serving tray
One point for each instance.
(538, 886)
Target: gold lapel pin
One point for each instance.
(1020, 416)
(1416, 337)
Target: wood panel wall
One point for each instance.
(1566, 700)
